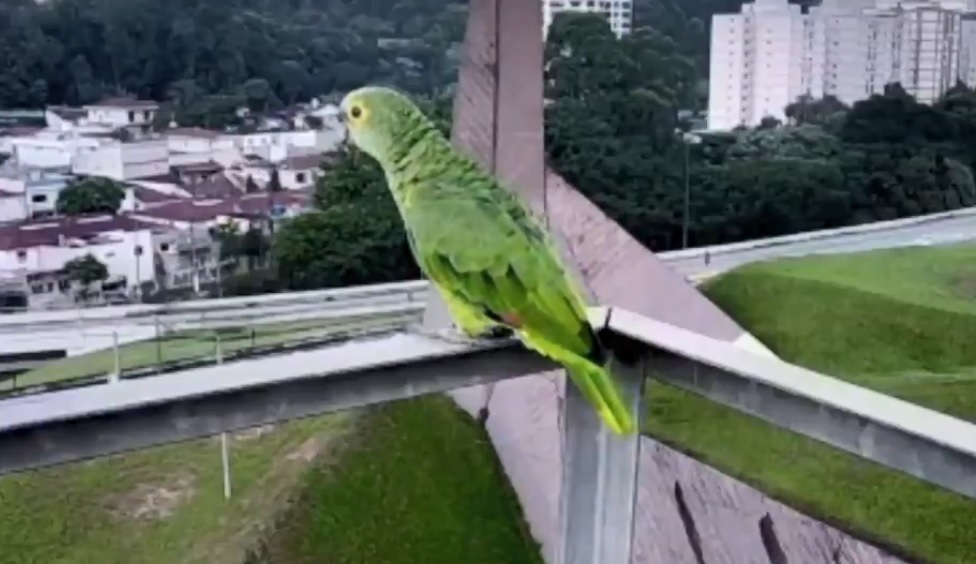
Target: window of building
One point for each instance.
(300, 177)
(39, 198)
(21, 255)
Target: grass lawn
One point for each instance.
(898, 321)
(187, 345)
(163, 505)
(424, 485)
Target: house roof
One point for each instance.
(258, 204)
(190, 210)
(208, 166)
(196, 132)
(19, 131)
(200, 210)
(216, 186)
(126, 102)
(303, 162)
(150, 196)
(65, 112)
(49, 231)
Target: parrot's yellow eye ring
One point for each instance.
(356, 112)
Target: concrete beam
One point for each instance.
(52, 428)
(921, 442)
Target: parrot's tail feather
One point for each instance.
(594, 380)
(599, 388)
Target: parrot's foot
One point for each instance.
(497, 332)
(454, 335)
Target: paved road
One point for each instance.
(944, 232)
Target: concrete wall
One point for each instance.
(498, 121)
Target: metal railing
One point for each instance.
(192, 342)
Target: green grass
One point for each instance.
(901, 322)
(424, 485)
(198, 344)
(161, 505)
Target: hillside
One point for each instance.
(898, 321)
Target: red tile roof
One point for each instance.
(241, 205)
(150, 196)
(49, 231)
(303, 162)
(257, 204)
(189, 210)
(216, 186)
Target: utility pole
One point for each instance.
(688, 139)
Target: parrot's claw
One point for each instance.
(454, 335)
(497, 332)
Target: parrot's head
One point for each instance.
(380, 121)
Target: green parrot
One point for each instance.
(488, 257)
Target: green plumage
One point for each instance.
(489, 257)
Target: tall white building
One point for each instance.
(771, 53)
(619, 13)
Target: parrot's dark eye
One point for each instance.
(356, 112)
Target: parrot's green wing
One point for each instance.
(485, 248)
(478, 244)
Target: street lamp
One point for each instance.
(688, 139)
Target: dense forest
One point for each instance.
(613, 126)
(208, 59)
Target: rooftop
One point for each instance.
(241, 205)
(52, 231)
(19, 131)
(195, 132)
(125, 102)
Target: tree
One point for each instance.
(250, 186)
(207, 62)
(254, 246)
(86, 270)
(355, 237)
(91, 195)
(274, 183)
(273, 188)
(229, 241)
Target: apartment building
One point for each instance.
(771, 53)
(619, 13)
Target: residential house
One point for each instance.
(274, 145)
(40, 249)
(135, 116)
(13, 207)
(120, 160)
(193, 145)
(9, 134)
(295, 172)
(37, 188)
(50, 149)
